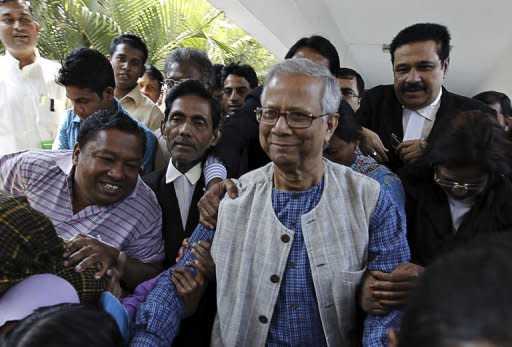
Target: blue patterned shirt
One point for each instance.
(70, 126)
(157, 319)
(387, 179)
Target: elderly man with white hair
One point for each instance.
(290, 251)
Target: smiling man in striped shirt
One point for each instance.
(95, 197)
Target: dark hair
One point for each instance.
(193, 87)
(131, 40)
(23, 2)
(87, 68)
(65, 325)
(155, 74)
(423, 32)
(321, 45)
(108, 119)
(346, 73)
(191, 55)
(491, 97)
(348, 128)
(218, 81)
(471, 139)
(244, 70)
(463, 297)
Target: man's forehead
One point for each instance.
(417, 48)
(15, 8)
(298, 90)
(195, 103)
(235, 80)
(184, 70)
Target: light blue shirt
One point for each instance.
(69, 128)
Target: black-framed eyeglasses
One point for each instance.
(294, 119)
(169, 82)
(452, 185)
(348, 92)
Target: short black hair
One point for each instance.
(470, 139)
(154, 73)
(491, 97)
(87, 68)
(23, 2)
(347, 73)
(241, 70)
(218, 80)
(193, 87)
(131, 40)
(423, 32)
(108, 119)
(65, 325)
(321, 45)
(348, 129)
(463, 297)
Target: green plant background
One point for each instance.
(163, 24)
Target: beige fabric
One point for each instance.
(142, 108)
(248, 250)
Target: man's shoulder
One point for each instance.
(463, 103)
(152, 179)
(346, 177)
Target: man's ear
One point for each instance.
(37, 26)
(162, 128)
(217, 135)
(332, 124)
(76, 154)
(446, 64)
(392, 337)
(109, 57)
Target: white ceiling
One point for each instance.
(481, 32)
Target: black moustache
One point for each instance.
(413, 87)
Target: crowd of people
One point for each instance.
(197, 207)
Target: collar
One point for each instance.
(135, 94)
(192, 175)
(15, 62)
(65, 162)
(429, 111)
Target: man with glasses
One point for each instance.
(351, 85)
(32, 103)
(290, 251)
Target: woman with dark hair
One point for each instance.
(460, 187)
(151, 83)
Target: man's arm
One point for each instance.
(62, 139)
(387, 249)
(13, 179)
(157, 320)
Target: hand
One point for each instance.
(209, 203)
(410, 150)
(181, 251)
(372, 145)
(368, 303)
(203, 262)
(116, 273)
(190, 288)
(391, 290)
(90, 252)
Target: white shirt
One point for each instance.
(459, 209)
(184, 185)
(142, 108)
(417, 124)
(32, 103)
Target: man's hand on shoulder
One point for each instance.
(209, 203)
(372, 146)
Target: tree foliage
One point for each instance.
(163, 24)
